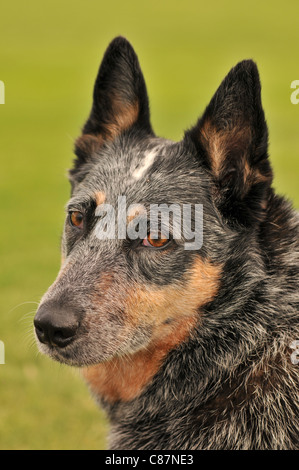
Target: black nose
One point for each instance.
(56, 326)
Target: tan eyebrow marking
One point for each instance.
(134, 210)
(100, 198)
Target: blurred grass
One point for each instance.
(49, 56)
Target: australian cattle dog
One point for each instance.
(178, 294)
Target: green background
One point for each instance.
(49, 55)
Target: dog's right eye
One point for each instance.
(155, 242)
(76, 219)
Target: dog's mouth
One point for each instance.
(54, 352)
(78, 353)
(69, 355)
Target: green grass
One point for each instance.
(49, 56)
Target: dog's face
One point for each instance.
(119, 294)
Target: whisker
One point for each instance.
(21, 304)
(27, 317)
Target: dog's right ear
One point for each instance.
(231, 139)
(120, 101)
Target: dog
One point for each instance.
(183, 348)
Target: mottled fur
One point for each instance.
(183, 349)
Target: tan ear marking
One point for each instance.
(219, 144)
(88, 144)
(213, 144)
(124, 116)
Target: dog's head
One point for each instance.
(125, 283)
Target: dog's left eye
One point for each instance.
(76, 219)
(157, 242)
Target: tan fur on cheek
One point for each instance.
(171, 313)
(154, 306)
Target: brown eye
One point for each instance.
(155, 242)
(76, 219)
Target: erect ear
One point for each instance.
(232, 141)
(120, 100)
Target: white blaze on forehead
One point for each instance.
(145, 164)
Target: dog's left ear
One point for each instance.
(232, 142)
(120, 101)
